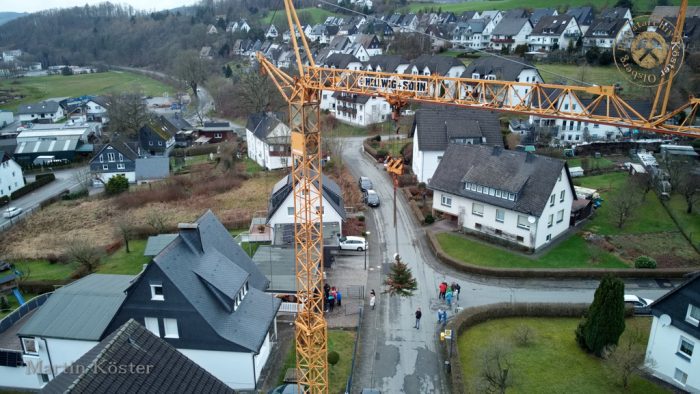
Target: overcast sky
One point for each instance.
(38, 5)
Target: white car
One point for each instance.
(11, 212)
(641, 305)
(352, 243)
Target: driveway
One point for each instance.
(394, 356)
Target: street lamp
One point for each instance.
(367, 233)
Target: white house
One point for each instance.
(268, 141)
(438, 127)
(513, 196)
(339, 61)
(11, 177)
(492, 18)
(280, 211)
(604, 32)
(469, 33)
(272, 32)
(502, 68)
(675, 331)
(239, 25)
(370, 42)
(510, 33)
(554, 32)
(43, 112)
(583, 15)
(6, 117)
(96, 110)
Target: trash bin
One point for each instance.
(448, 367)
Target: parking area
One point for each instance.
(348, 275)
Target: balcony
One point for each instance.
(508, 40)
(281, 153)
(346, 110)
(572, 35)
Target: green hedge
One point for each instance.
(4, 200)
(41, 180)
(195, 150)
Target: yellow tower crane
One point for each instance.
(302, 93)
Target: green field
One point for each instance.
(553, 363)
(598, 75)
(340, 341)
(689, 222)
(640, 6)
(595, 163)
(307, 16)
(43, 270)
(124, 263)
(34, 89)
(14, 304)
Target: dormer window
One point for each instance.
(157, 292)
(693, 315)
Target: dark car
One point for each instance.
(365, 183)
(371, 198)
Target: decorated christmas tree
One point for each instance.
(400, 281)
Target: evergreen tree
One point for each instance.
(605, 320)
(116, 185)
(400, 280)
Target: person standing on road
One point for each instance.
(419, 314)
(448, 297)
(372, 300)
(339, 298)
(443, 289)
(456, 289)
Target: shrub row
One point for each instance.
(195, 150)
(4, 200)
(473, 316)
(41, 180)
(41, 286)
(553, 273)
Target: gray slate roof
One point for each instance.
(44, 107)
(605, 28)
(530, 176)
(170, 371)
(81, 310)
(539, 13)
(440, 65)
(125, 148)
(157, 243)
(340, 60)
(351, 97)
(207, 266)
(509, 26)
(283, 188)
(388, 63)
(505, 68)
(436, 125)
(675, 304)
(552, 25)
(583, 15)
(262, 123)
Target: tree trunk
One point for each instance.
(126, 243)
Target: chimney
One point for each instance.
(190, 234)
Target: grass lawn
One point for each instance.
(38, 88)
(690, 223)
(481, 5)
(553, 363)
(124, 263)
(595, 163)
(251, 167)
(572, 253)
(342, 342)
(252, 247)
(43, 270)
(310, 15)
(599, 75)
(394, 146)
(14, 304)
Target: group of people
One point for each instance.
(332, 297)
(448, 292)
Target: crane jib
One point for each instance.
(393, 84)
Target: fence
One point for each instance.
(348, 385)
(22, 311)
(22, 216)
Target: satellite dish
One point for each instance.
(665, 320)
(531, 219)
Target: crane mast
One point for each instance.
(594, 104)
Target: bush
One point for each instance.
(75, 195)
(4, 304)
(524, 335)
(644, 262)
(361, 218)
(382, 153)
(116, 184)
(41, 180)
(377, 138)
(333, 357)
(429, 219)
(606, 317)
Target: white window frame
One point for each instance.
(151, 324)
(550, 220)
(525, 224)
(502, 215)
(105, 167)
(121, 166)
(551, 200)
(561, 195)
(27, 345)
(683, 376)
(290, 211)
(110, 157)
(170, 328)
(689, 318)
(680, 352)
(154, 295)
(477, 212)
(446, 201)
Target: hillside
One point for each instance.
(640, 6)
(8, 16)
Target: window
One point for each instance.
(105, 167)
(523, 223)
(559, 179)
(478, 209)
(680, 376)
(511, 196)
(551, 200)
(560, 216)
(446, 201)
(102, 158)
(561, 196)
(151, 324)
(290, 211)
(217, 135)
(550, 220)
(693, 316)
(110, 156)
(120, 166)
(439, 158)
(498, 193)
(479, 189)
(549, 237)
(160, 143)
(685, 348)
(500, 215)
(121, 157)
(29, 345)
(170, 328)
(44, 377)
(157, 292)
(519, 238)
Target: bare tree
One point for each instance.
(83, 177)
(156, 220)
(626, 359)
(623, 205)
(127, 113)
(126, 229)
(689, 188)
(191, 70)
(227, 156)
(496, 371)
(85, 254)
(644, 182)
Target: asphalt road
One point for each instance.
(394, 356)
(65, 180)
